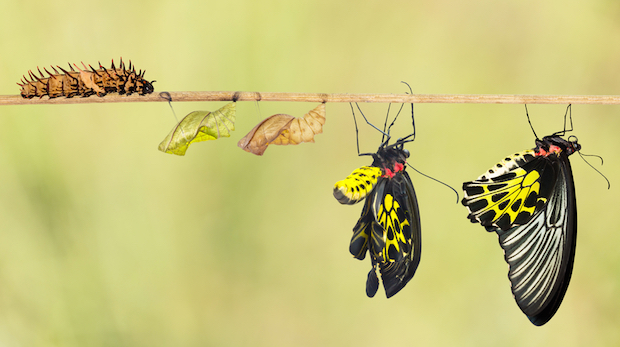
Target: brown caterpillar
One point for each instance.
(86, 83)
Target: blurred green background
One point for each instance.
(105, 241)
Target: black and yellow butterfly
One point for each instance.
(528, 199)
(389, 227)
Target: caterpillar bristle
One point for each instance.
(49, 73)
(95, 71)
(33, 77)
(63, 70)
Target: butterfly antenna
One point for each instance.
(601, 158)
(412, 135)
(569, 112)
(393, 121)
(530, 122)
(385, 124)
(372, 125)
(436, 180)
(357, 138)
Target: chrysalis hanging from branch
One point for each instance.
(199, 126)
(283, 129)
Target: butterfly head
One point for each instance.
(574, 145)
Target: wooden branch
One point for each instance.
(319, 97)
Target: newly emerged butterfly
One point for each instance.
(389, 227)
(528, 199)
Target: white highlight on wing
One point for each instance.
(534, 252)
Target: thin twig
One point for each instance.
(320, 97)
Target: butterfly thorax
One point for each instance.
(555, 145)
(549, 146)
(390, 160)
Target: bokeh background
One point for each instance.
(105, 241)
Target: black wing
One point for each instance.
(540, 254)
(389, 229)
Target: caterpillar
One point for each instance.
(122, 80)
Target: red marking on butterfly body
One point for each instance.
(397, 167)
(553, 149)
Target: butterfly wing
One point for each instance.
(541, 253)
(399, 216)
(368, 235)
(511, 192)
(531, 205)
(389, 229)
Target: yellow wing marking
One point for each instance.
(509, 197)
(359, 241)
(517, 193)
(389, 220)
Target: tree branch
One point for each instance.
(320, 97)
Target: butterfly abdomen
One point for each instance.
(507, 164)
(357, 185)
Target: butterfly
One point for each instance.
(389, 227)
(528, 199)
